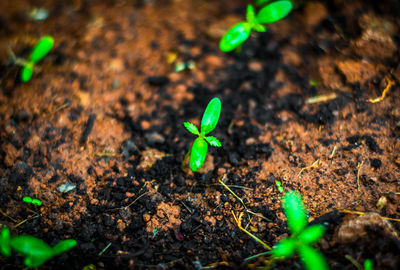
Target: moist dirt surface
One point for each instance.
(104, 113)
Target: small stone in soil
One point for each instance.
(154, 138)
(157, 80)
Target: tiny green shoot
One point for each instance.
(279, 186)
(199, 148)
(35, 250)
(241, 31)
(301, 236)
(32, 201)
(41, 49)
(368, 264)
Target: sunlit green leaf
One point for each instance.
(260, 28)
(235, 36)
(274, 11)
(26, 72)
(250, 14)
(191, 127)
(29, 245)
(41, 49)
(5, 248)
(311, 258)
(211, 116)
(295, 212)
(213, 141)
(198, 154)
(33, 261)
(284, 248)
(311, 234)
(64, 246)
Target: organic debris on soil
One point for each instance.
(105, 113)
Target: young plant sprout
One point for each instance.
(32, 201)
(241, 31)
(368, 265)
(199, 148)
(41, 49)
(279, 186)
(301, 236)
(35, 250)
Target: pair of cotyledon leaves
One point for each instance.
(301, 236)
(199, 148)
(238, 34)
(35, 250)
(41, 49)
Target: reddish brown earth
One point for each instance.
(295, 108)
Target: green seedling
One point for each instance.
(41, 49)
(199, 148)
(301, 236)
(368, 265)
(35, 250)
(241, 31)
(279, 186)
(32, 201)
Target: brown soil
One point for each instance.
(106, 109)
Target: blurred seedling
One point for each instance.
(199, 148)
(41, 49)
(279, 186)
(301, 236)
(29, 200)
(368, 265)
(35, 250)
(241, 31)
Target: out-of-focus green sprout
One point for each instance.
(279, 186)
(32, 201)
(368, 265)
(199, 148)
(241, 31)
(301, 236)
(35, 250)
(41, 49)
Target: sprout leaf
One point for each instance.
(311, 258)
(198, 154)
(274, 11)
(64, 246)
(260, 28)
(311, 234)
(191, 127)
(5, 248)
(211, 116)
(250, 14)
(213, 141)
(27, 71)
(294, 211)
(41, 49)
(235, 36)
(284, 248)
